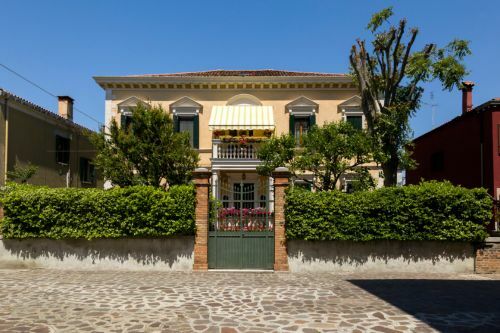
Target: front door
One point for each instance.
(241, 234)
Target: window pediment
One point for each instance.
(302, 106)
(352, 103)
(186, 105)
(125, 106)
(132, 102)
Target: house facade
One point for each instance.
(465, 150)
(230, 113)
(58, 147)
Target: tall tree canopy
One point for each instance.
(390, 75)
(327, 153)
(147, 151)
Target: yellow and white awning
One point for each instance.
(241, 117)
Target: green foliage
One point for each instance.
(429, 211)
(328, 152)
(22, 174)
(390, 74)
(70, 213)
(276, 152)
(147, 152)
(379, 18)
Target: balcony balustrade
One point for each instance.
(234, 150)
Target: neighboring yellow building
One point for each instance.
(52, 142)
(229, 113)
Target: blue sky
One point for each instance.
(61, 44)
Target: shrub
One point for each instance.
(429, 211)
(138, 211)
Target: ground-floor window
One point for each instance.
(244, 195)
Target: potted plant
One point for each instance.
(218, 133)
(268, 133)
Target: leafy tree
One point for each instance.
(147, 152)
(389, 76)
(328, 152)
(22, 173)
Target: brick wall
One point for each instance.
(488, 256)
(201, 179)
(281, 180)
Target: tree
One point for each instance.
(328, 152)
(22, 174)
(389, 76)
(147, 152)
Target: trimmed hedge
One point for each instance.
(60, 213)
(429, 211)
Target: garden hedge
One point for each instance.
(60, 213)
(429, 211)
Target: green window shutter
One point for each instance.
(123, 120)
(176, 123)
(292, 125)
(312, 120)
(196, 132)
(355, 121)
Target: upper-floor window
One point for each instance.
(352, 113)
(302, 117)
(355, 120)
(188, 124)
(125, 118)
(125, 109)
(186, 119)
(87, 171)
(63, 145)
(301, 125)
(437, 161)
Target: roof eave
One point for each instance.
(42, 111)
(101, 80)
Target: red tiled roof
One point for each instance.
(259, 72)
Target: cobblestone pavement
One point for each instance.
(72, 301)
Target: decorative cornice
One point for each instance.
(225, 83)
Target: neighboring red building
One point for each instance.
(465, 150)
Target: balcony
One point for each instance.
(234, 155)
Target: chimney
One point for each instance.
(65, 107)
(467, 96)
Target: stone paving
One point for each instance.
(227, 302)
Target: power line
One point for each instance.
(99, 123)
(27, 80)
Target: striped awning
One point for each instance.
(241, 117)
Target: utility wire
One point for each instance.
(99, 123)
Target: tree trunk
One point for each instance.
(390, 170)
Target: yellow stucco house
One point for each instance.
(229, 113)
(53, 142)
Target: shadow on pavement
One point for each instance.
(445, 305)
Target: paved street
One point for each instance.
(69, 301)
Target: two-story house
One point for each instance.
(230, 113)
(57, 146)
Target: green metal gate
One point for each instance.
(241, 231)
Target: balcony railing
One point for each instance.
(234, 151)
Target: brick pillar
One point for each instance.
(201, 177)
(281, 180)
